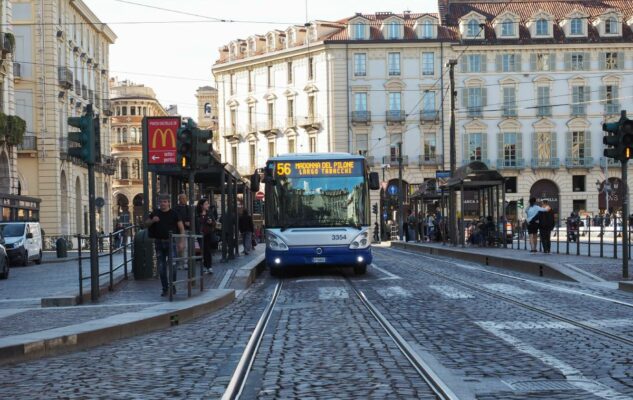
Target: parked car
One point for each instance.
(23, 242)
(4, 260)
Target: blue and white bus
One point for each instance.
(317, 211)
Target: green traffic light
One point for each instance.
(85, 138)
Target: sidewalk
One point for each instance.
(559, 266)
(29, 331)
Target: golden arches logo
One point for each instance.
(163, 136)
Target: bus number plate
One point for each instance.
(318, 259)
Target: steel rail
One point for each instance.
(238, 379)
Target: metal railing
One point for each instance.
(361, 116)
(429, 115)
(579, 162)
(395, 115)
(545, 163)
(17, 69)
(393, 160)
(517, 163)
(425, 159)
(29, 143)
(605, 161)
(65, 77)
(190, 259)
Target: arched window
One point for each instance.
(124, 170)
(124, 137)
(507, 27)
(207, 109)
(473, 28)
(133, 135)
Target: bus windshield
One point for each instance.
(317, 201)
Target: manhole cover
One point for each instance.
(539, 386)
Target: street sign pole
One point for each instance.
(625, 217)
(94, 255)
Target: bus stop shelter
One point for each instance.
(487, 187)
(428, 199)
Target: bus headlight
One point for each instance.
(361, 241)
(274, 242)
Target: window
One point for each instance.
(509, 102)
(611, 25)
(578, 145)
(542, 27)
(474, 101)
(611, 99)
(509, 63)
(289, 66)
(576, 26)
(360, 64)
(543, 62)
(580, 96)
(271, 149)
(427, 29)
(291, 145)
(311, 107)
(251, 113)
(291, 111)
(578, 183)
(475, 147)
(474, 63)
(233, 116)
(312, 144)
(124, 170)
(269, 76)
(510, 149)
(234, 154)
(507, 28)
(394, 101)
(543, 107)
(250, 80)
(394, 64)
(472, 28)
(362, 143)
(511, 184)
(310, 68)
(132, 110)
(271, 114)
(611, 60)
(579, 205)
(252, 152)
(577, 61)
(429, 147)
(428, 63)
(428, 106)
(360, 102)
(393, 30)
(232, 84)
(358, 31)
(124, 110)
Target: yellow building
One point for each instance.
(130, 103)
(63, 63)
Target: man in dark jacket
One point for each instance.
(546, 224)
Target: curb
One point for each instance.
(67, 301)
(542, 269)
(35, 345)
(246, 275)
(627, 286)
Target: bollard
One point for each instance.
(61, 248)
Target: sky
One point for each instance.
(172, 54)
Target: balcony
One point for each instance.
(269, 126)
(8, 43)
(91, 96)
(474, 112)
(605, 161)
(105, 107)
(65, 77)
(77, 87)
(429, 116)
(251, 128)
(518, 163)
(312, 121)
(106, 165)
(17, 70)
(29, 143)
(545, 163)
(579, 162)
(393, 160)
(578, 110)
(229, 132)
(430, 160)
(396, 116)
(612, 109)
(509, 111)
(483, 160)
(544, 111)
(127, 142)
(291, 122)
(84, 91)
(361, 117)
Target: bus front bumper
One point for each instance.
(323, 255)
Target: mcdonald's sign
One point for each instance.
(161, 140)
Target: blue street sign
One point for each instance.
(392, 190)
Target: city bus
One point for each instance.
(317, 211)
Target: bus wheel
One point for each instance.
(360, 269)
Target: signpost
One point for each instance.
(259, 196)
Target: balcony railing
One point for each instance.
(612, 109)
(29, 143)
(396, 116)
(578, 110)
(544, 111)
(605, 161)
(579, 162)
(17, 70)
(429, 115)
(483, 160)
(8, 45)
(91, 96)
(291, 122)
(77, 87)
(105, 107)
(509, 111)
(269, 125)
(361, 117)
(475, 111)
(518, 163)
(545, 163)
(434, 160)
(251, 128)
(127, 141)
(311, 121)
(230, 131)
(393, 160)
(84, 91)
(65, 77)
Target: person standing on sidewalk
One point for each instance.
(546, 224)
(160, 223)
(532, 222)
(245, 224)
(205, 226)
(182, 208)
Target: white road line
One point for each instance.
(389, 274)
(316, 280)
(225, 279)
(506, 289)
(26, 299)
(393, 291)
(333, 293)
(12, 311)
(573, 376)
(451, 292)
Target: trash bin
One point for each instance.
(60, 246)
(143, 263)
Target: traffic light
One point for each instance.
(520, 203)
(97, 130)
(202, 148)
(626, 133)
(374, 208)
(184, 147)
(612, 139)
(85, 138)
(619, 139)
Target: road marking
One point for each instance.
(393, 291)
(316, 280)
(332, 293)
(12, 311)
(389, 274)
(225, 279)
(583, 272)
(451, 292)
(573, 376)
(506, 289)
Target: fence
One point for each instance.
(185, 255)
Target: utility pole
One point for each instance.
(625, 217)
(400, 194)
(453, 157)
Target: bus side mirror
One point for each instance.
(374, 181)
(255, 182)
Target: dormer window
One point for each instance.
(393, 30)
(427, 29)
(611, 26)
(358, 31)
(507, 28)
(575, 27)
(542, 27)
(472, 28)
(291, 39)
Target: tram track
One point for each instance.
(539, 310)
(239, 378)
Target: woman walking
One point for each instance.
(205, 226)
(246, 229)
(532, 222)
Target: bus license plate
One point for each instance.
(318, 259)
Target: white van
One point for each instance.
(23, 241)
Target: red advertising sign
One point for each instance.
(161, 140)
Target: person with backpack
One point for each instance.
(546, 224)
(533, 222)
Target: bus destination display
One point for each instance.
(295, 169)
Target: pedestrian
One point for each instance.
(411, 223)
(182, 208)
(228, 227)
(546, 224)
(532, 222)
(160, 223)
(245, 224)
(205, 226)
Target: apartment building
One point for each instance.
(130, 103)
(62, 66)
